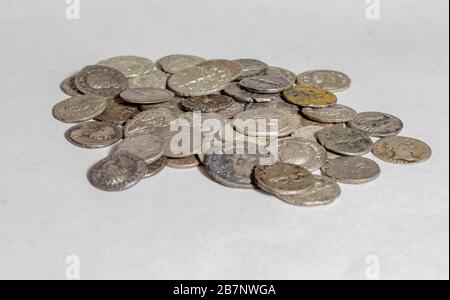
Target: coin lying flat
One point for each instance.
(265, 84)
(94, 135)
(305, 122)
(183, 163)
(130, 66)
(307, 132)
(345, 141)
(117, 112)
(117, 172)
(155, 79)
(232, 111)
(208, 104)
(183, 143)
(251, 67)
(79, 109)
(178, 62)
(276, 102)
(402, 150)
(239, 94)
(232, 66)
(102, 81)
(69, 88)
(280, 72)
(146, 95)
(304, 153)
(377, 124)
(310, 97)
(174, 104)
(156, 167)
(332, 81)
(333, 114)
(352, 170)
(149, 122)
(150, 148)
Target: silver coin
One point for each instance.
(305, 122)
(146, 95)
(239, 94)
(149, 122)
(94, 135)
(117, 112)
(352, 170)
(280, 72)
(199, 81)
(331, 81)
(183, 143)
(265, 84)
(232, 66)
(208, 104)
(69, 88)
(345, 141)
(232, 111)
(377, 124)
(324, 191)
(251, 67)
(117, 172)
(156, 167)
(79, 109)
(183, 163)
(402, 150)
(304, 153)
(333, 114)
(174, 104)
(178, 62)
(130, 66)
(155, 79)
(148, 147)
(307, 132)
(102, 81)
(276, 102)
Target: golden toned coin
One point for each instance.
(310, 97)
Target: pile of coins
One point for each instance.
(130, 102)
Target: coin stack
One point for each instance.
(130, 103)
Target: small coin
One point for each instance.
(251, 67)
(117, 172)
(69, 88)
(117, 112)
(352, 170)
(331, 81)
(324, 191)
(232, 66)
(155, 79)
(333, 114)
(402, 150)
(310, 97)
(232, 111)
(265, 84)
(304, 153)
(149, 122)
(178, 62)
(79, 109)
(239, 94)
(377, 124)
(174, 104)
(102, 81)
(208, 104)
(156, 167)
(94, 135)
(345, 141)
(130, 66)
(280, 72)
(146, 95)
(148, 147)
(183, 163)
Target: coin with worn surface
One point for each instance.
(155, 79)
(117, 172)
(307, 132)
(208, 104)
(183, 143)
(275, 103)
(183, 163)
(324, 191)
(102, 81)
(265, 84)
(280, 72)
(94, 135)
(333, 114)
(148, 147)
(310, 97)
(146, 95)
(352, 170)
(304, 153)
(69, 88)
(377, 124)
(117, 112)
(402, 150)
(174, 104)
(156, 167)
(239, 94)
(149, 122)
(130, 66)
(232, 111)
(345, 141)
(232, 66)
(305, 122)
(251, 67)
(178, 62)
(332, 81)
(79, 109)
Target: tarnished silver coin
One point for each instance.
(232, 66)
(208, 104)
(199, 81)
(178, 62)
(331, 81)
(324, 191)
(147, 95)
(307, 132)
(149, 122)
(377, 124)
(183, 143)
(239, 94)
(333, 114)
(304, 153)
(69, 88)
(130, 66)
(345, 141)
(155, 79)
(102, 81)
(117, 112)
(94, 135)
(79, 108)
(280, 72)
(305, 122)
(276, 102)
(251, 67)
(156, 167)
(148, 147)
(402, 150)
(352, 170)
(232, 111)
(265, 84)
(183, 163)
(117, 172)
(174, 104)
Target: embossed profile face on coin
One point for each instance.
(333, 114)
(79, 109)
(148, 147)
(102, 81)
(149, 122)
(69, 88)
(208, 104)
(345, 141)
(130, 66)
(402, 150)
(352, 170)
(280, 72)
(377, 124)
(332, 81)
(304, 153)
(117, 113)
(93, 135)
(178, 62)
(147, 95)
(232, 66)
(251, 67)
(156, 167)
(265, 84)
(310, 97)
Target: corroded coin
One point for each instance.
(183, 163)
(239, 94)
(310, 97)
(178, 62)
(232, 66)
(79, 109)
(265, 84)
(148, 147)
(117, 172)
(130, 66)
(149, 122)
(146, 95)
(304, 153)
(377, 124)
(280, 72)
(332, 81)
(232, 111)
(251, 67)
(117, 112)
(402, 150)
(94, 135)
(156, 167)
(69, 88)
(208, 104)
(333, 114)
(155, 79)
(345, 141)
(102, 81)
(352, 170)
(174, 104)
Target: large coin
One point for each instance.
(94, 135)
(402, 150)
(232, 66)
(333, 114)
(101, 80)
(345, 141)
(69, 88)
(130, 66)
(310, 97)
(332, 81)
(183, 163)
(178, 62)
(352, 170)
(280, 72)
(156, 167)
(265, 84)
(239, 94)
(149, 122)
(208, 104)
(377, 124)
(146, 95)
(148, 147)
(79, 109)
(117, 112)
(251, 67)
(154, 79)
(304, 153)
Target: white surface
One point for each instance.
(180, 224)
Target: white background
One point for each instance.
(180, 224)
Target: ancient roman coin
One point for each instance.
(280, 72)
(232, 111)
(146, 95)
(333, 114)
(307, 132)
(79, 109)
(149, 122)
(102, 81)
(239, 94)
(207, 104)
(305, 122)
(117, 172)
(155, 79)
(251, 67)
(69, 88)
(174, 104)
(275, 103)
(265, 84)
(352, 170)
(232, 66)
(402, 150)
(182, 143)
(156, 167)
(178, 62)
(94, 135)
(304, 153)
(117, 112)
(183, 163)
(310, 97)
(345, 141)
(148, 147)
(332, 81)
(130, 66)
(377, 124)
